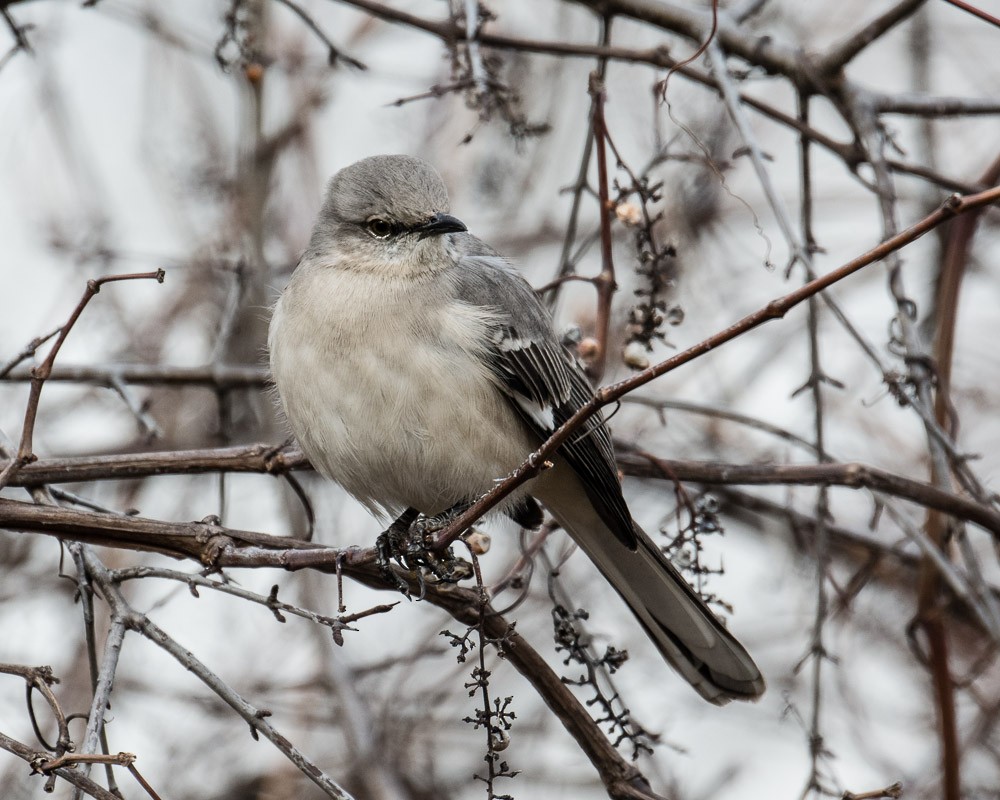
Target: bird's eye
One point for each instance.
(380, 228)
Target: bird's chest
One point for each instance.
(387, 391)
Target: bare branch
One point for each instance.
(221, 376)
(68, 774)
(844, 51)
(853, 476)
(975, 11)
(42, 372)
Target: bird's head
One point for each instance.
(385, 214)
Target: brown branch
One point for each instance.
(852, 476)
(892, 792)
(958, 242)
(976, 12)
(219, 376)
(254, 458)
(69, 759)
(197, 540)
(41, 373)
(71, 776)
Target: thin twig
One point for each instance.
(85, 592)
(102, 694)
(605, 280)
(978, 12)
(567, 264)
(661, 404)
(271, 601)
(41, 373)
(818, 752)
(334, 53)
(732, 100)
(141, 414)
(27, 352)
(17, 31)
(71, 776)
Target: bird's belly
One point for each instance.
(422, 427)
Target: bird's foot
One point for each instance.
(444, 565)
(409, 542)
(393, 545)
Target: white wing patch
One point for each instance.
(542, 415)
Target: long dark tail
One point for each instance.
(683, 628)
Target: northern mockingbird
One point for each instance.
(416, 367)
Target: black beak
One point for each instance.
(439, 224)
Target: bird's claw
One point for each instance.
(408, 543)
(391, 545)
(443, 565)
(384, 561)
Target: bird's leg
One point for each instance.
(394, 543)
(444, 565)
(408, 541)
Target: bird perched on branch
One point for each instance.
(416, 367)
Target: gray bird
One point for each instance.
(416, 367)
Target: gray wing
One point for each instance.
(543, 382)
